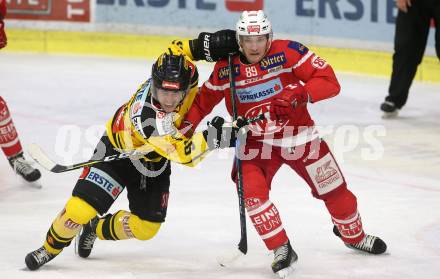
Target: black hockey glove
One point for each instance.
(214, 46)
(218, 135)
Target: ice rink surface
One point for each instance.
(393, 166)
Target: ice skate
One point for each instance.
(370, 244)
(34, 260)
(284, 260)
(389, 110)
(24, 168)
(86, 238)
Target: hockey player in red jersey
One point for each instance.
(3, 39)
(11, 147)
(282, 77)
(9, 141)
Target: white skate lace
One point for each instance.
(366, 244)
(88, 241)
(42, 255)
(281, 253)
(90, 238)
(22, 166)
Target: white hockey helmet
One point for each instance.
(253, 23)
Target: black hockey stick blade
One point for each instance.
(242, 245)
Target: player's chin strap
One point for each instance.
(41, 158)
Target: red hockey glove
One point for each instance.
(284, 105)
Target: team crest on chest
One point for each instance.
(266, 126)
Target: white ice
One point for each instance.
(393, 166)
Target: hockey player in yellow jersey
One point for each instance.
(146, 123)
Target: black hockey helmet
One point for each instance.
(171, 72)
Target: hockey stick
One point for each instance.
(40, 156)
(242, 245)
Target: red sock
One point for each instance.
(350, 228)
(342, 206)
(267, 222)
(9, 141)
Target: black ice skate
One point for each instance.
(284, 260)
(389, 109)
(34, 260)
(370, 244)
(24, 168)
(86, 238)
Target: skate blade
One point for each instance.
(390, 115)
(287, 272)
(36, 185)
(33, 184)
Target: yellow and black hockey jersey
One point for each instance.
(138, 125)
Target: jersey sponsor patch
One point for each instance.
(126, 226)
(137, 106)
(71, 225)
(118, 124)
(224, 72)
(165, 123)
(104, 181)
(259, 92)
(272, 61)
(298, 47)
(318, 62)
(325, 174)
(266, 220)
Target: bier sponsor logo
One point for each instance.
(224, 72)
(272, 61)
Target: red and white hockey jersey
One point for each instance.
(285, 63)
